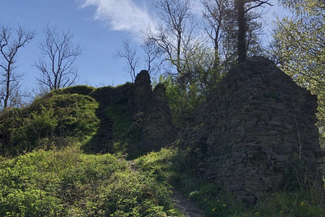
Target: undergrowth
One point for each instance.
(125, 131)
(69, 183)
(43, 171)
(168, 166)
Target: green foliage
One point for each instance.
(122, 119)
(69, 115)
(300, 51)
(30, 203)
(182, 102)
(78, 89)
(75, 113)
(158, 164)
(125, 132)
(67, 182)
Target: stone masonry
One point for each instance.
(257, 126)
(152, 108)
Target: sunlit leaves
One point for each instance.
(300, 50)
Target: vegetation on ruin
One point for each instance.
(46, 173)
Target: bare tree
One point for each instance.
(57, 61)
(130, 55)
(174, 35)
(10, 42)
(221, 25)
(183, 45)
(216, 15)
(152, 53)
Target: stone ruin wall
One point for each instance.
(148, 107)
(253, 128)
(152, 108)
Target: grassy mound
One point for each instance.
(78, 89)
(63, 116)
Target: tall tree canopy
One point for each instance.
(299, 49)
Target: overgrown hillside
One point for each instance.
(52, 120)
(84, 151)
(53, 164)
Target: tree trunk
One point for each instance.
(7, 95)
(241, 31)
(216, 62)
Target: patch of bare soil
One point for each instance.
(188, 208)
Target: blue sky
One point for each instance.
(100, 26)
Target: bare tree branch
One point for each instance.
(59, 70)
(129, 54)
(153, 52)
(10, 43)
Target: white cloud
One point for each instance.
(120, 15)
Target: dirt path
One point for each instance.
(188, 208)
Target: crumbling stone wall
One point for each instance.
(152, 126)
(255, 128)
(151, 108)
(152, 116)
(157, 130)
(142, 91)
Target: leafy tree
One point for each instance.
(181, 102)
(291, 4)
(10, 42)
(299, 49)
(59, 70)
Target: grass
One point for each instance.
(169, 165)
(67, 182)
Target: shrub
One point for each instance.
(69, 115)
(67, 182)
